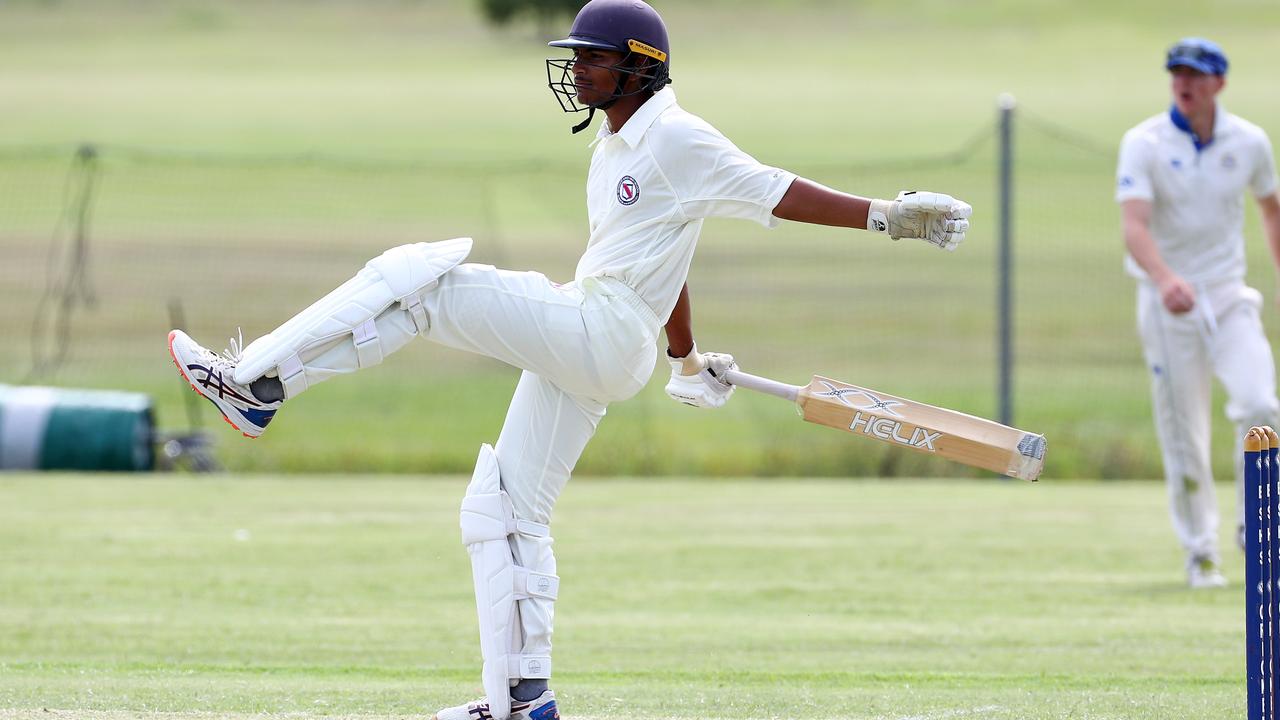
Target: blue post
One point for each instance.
(1271, 468)
(1255, 629)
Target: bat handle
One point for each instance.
(762, 385)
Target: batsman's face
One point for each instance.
(594, 76)
(1194, 91)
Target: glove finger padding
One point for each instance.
(957, 224)
(949, 241)
(718, 391)
(929, 202)
(960, 210)
(945, 239)
(717, 364)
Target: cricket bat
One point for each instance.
(956, 436)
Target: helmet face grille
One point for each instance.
(560, 80)
(653, 76)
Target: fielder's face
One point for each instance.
(1194, 91)
(594, 76)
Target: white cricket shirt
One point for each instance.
(649, 189)
(1196, 190)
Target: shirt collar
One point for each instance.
(644, 117)
(1181, 122)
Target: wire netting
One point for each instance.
(105, 247)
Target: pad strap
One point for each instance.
(526, 527)
(413, 306)
(368, 349)
(292, 376)
(491, 507)
(535, 584)
(536, 667)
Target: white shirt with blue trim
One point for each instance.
(1196, 189)
(650, 187)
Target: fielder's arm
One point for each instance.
(1270, 209)
(1176, 293)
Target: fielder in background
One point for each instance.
(1180, 183)
(657, 172)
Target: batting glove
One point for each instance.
(696, 379)
(936, 218)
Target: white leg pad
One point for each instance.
(399, 275)
(488, 520)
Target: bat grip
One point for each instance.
(762, 385)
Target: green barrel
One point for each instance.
(45, 428)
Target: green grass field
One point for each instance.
(337, 596)
(254, 155)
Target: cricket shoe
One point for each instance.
(1203, 573)
(542, 708)
(212, 375)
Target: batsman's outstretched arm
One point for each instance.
(807, 201)
(936, 218)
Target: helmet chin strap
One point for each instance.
(583, 125)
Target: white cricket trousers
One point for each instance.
(581, 346)
(1221, 336)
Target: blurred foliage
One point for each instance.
(544, 12)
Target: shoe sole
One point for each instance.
(196, 390)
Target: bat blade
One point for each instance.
(957, 436)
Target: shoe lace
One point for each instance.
(236, 350)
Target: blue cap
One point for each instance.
(1197, 54)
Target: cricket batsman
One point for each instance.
(656, 174)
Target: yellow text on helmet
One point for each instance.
(651, 51)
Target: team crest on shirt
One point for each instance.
(628, 190)
(1228, 162)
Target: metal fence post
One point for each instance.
(1004, 298)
